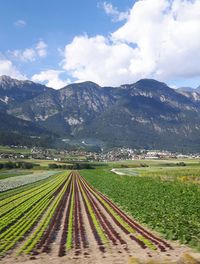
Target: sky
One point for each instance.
(57, 42)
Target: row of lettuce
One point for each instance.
(21, 210)
(31, 217)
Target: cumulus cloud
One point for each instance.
(97, 60)
(31, 54)
(20, 23)
(51, 78)
(7, 68)
(114, 12)
(160, 39)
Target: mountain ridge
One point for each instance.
(147, 113)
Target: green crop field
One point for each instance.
(170, 173)
(31, 217)
(8, 183)
(171, 207)
(147, 212)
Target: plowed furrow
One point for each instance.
(79, 222)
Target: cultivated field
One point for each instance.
(62, 219)
(171, 207)
(16, 180)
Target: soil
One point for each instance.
(120, 249)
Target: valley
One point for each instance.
(100, 132)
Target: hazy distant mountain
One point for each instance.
(146, 114)
(185, 89)
(189, 89)
(192, 93)
(198, 89)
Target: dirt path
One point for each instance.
(101, 233)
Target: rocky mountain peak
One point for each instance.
(81, 85)
(4, 78)
(150, 84)
(146, 113)
(6, 82)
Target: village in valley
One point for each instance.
(116, 154)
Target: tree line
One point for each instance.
(75, 166)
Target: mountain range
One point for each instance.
(146, 114)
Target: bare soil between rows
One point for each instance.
(122, 246)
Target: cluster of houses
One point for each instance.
(116, 154)
(134, 154)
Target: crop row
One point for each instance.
(14, 182)
(138, 233)
(10, 203)
(14, 210)
(69, 206)
(171, 208)
(24, 187)
(21, 218)
(73, 233)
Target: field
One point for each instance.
(7, 149)
(68, 217)
(13, 173)
(163, 196)
(189, 173)
(41, 164)
(16, 180)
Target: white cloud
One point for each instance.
(7, 68)
(51, 78)
(31, 54)
(160, 39)
(20, 23)
(114, 12)
(24, 55)
(97, 60)
(41, 48)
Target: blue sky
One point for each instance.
(56, 22)
(57, 41)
